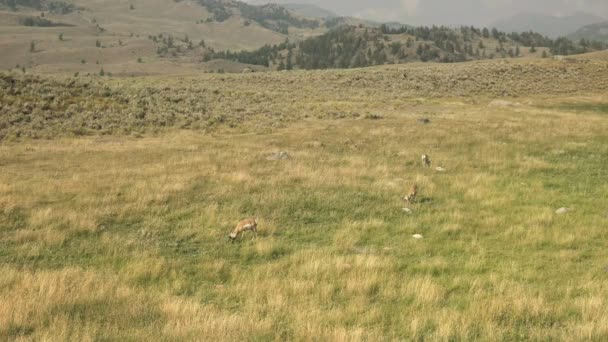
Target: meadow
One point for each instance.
(124, 237)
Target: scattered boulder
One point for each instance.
(440, 169)
(503, 103)
(562, 211)
(424, 121)
(279, 156)
(407, 210)
(418, 236)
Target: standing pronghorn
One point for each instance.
(411, 196)
(426, 160)
(245, 225)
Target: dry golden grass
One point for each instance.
(124, 238)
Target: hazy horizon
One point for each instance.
(450, 12)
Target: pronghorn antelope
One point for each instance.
(243, 226)
(411, 196)
(426, 161)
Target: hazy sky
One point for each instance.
(477, 12)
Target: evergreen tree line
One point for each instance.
(441, 34)
(167, 44)
(353, 47)
(262, 56)
(40, 22)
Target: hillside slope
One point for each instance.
(93, 33)
(51, 106)
(168, 37)
(598, 56)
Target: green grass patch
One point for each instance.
(600, 108)
(128, 239)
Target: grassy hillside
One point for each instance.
(123, 33)
(168, 37)
(34, 106)
(124, 237)
(596, 56)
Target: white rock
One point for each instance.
(503, 103)
(417, 236)
(407, 210)
(279, 156)
(562, 211)
(440, 169)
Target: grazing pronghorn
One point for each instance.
(426, 161)
(411, 196)
(243, 226)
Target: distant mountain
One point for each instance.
(310, 11)
(598, 32)
(548, 25)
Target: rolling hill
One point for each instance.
(91, 35)
(111, 37)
